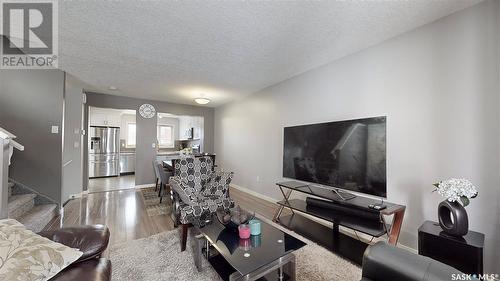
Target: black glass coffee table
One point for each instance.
(268, 256)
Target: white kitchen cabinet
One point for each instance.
(198, 127)
(114, 120)
(188, 122)
(97, 119)
(184, 125)
(104, 118)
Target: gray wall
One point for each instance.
(72, 155)
(31, 101)
(438, 86)
(146, 129)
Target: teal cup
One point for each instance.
(254, 227)
(255, 241)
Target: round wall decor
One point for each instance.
(147, 111)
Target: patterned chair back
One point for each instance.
(195, 171)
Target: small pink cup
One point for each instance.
(245, 244)
(244, 231)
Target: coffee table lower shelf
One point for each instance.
(225, 270)
(337, 242)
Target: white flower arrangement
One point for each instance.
(186, 151)
(456, 190)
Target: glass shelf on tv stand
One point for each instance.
(359, 202)
(318, 190)
(332, 194)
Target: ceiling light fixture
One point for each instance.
(201, 100)
(113, 88)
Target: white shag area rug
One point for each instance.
(158, 257)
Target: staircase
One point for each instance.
(33, 210)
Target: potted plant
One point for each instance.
(452, 215)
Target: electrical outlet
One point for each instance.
(153, 145)
(55, 129)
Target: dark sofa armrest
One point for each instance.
(90, 270)
(92, 240)
(386, 262)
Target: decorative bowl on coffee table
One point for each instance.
(234, 217)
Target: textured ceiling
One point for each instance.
(177, 50)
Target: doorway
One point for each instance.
(111, 149)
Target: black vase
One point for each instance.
(459, 226)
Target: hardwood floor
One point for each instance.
(250, 202)
(111, 183)
(124, 212)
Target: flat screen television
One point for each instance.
(348, 154)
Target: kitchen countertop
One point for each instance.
(168, 153)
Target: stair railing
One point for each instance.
(7, 144)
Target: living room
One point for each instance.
(341, 140)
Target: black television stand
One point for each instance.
(353, 213)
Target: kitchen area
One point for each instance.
(112, 141)
(186, 132)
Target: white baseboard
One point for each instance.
(344, 230)
(408, 248)
(145, 185)
(78, 195)
(74, 196)
(254, 193)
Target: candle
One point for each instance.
(244, 231)
(245, 244)
(254, 227)
(255, 241)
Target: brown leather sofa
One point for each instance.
(92, 240)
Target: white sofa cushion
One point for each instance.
(25, 255)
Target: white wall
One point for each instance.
(72, 162)
(438, 86)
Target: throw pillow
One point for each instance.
(218, 184)
(25, 255)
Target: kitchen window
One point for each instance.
(165, 135)
(131, 135)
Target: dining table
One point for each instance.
(168, 164)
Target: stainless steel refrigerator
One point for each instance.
(104, 151)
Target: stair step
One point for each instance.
(38, 217)
(20, 204)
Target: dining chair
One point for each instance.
(164, 180)
(157, 173)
